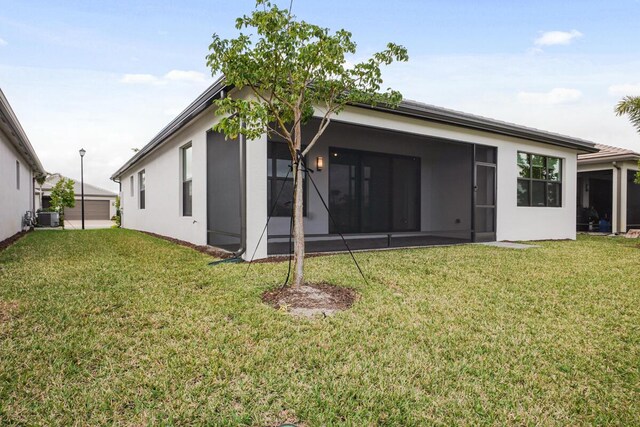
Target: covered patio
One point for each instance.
(384, 189)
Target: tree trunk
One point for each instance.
(298, 217)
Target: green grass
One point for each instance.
(116, 327)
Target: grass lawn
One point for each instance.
(117, 327)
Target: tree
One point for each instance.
(291, 68)
(630, 105)
(63, 196)
(41, 179)
(118, 216)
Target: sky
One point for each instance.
(107, 76)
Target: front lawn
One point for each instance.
(117, 327)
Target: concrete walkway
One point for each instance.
(509, 245)
(88, 224)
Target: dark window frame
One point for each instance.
(187, 193)
(545, 179)
(142, 189)
(277, 150)
(17, 175)
(132, 184)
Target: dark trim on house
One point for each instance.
(16, 135)
(201, 103)
(470, 121)
(406, 108)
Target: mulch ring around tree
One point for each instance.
(311, 299)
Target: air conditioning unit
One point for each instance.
(49, 219)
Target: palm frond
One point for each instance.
(630, 106)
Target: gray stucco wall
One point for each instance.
(445, 176)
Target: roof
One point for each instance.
(10, 126)
(406, 107)
(89, 190)
(200, 104)
(608, 153)
(472, 121)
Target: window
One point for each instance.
(280, 178)
(141, 189)
(17, 175)
(539, 180)
(187, 188)
(131, 186)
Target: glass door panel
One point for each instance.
(406, 194)
(343, 193)
(485, 197)
(375, 178)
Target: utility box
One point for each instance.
(49, 219)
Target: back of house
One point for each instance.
(412, 176)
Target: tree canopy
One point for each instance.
(293, 71)
(291, 66)
(63, 195)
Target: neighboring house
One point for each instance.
(411, 176)
(606, 189)
(99, 204)
(19, 167)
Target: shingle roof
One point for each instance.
(89, 190)
(608, 153)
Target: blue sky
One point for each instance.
(107, 76)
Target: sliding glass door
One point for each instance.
(373, 192)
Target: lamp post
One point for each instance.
(82, 153)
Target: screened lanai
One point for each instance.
(384, 189)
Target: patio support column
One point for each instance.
(256, 197)
(615, 201)
(623, 198)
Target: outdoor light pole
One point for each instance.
(82, 152)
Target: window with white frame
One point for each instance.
(131, 186)
(141, 189)
(539, 180)
(187, 176)
(17, 175)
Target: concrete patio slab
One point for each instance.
(509, 245)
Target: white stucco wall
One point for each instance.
(513, 222)
(15, 202)
(163, 201)
(162, 214)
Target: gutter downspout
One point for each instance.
(618, 197)
(243, 195)
(33, 194)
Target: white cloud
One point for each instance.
(627, 89)
(551, 38)
(555, 96)
(3, 42)
(147, 79)
(185, 76)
